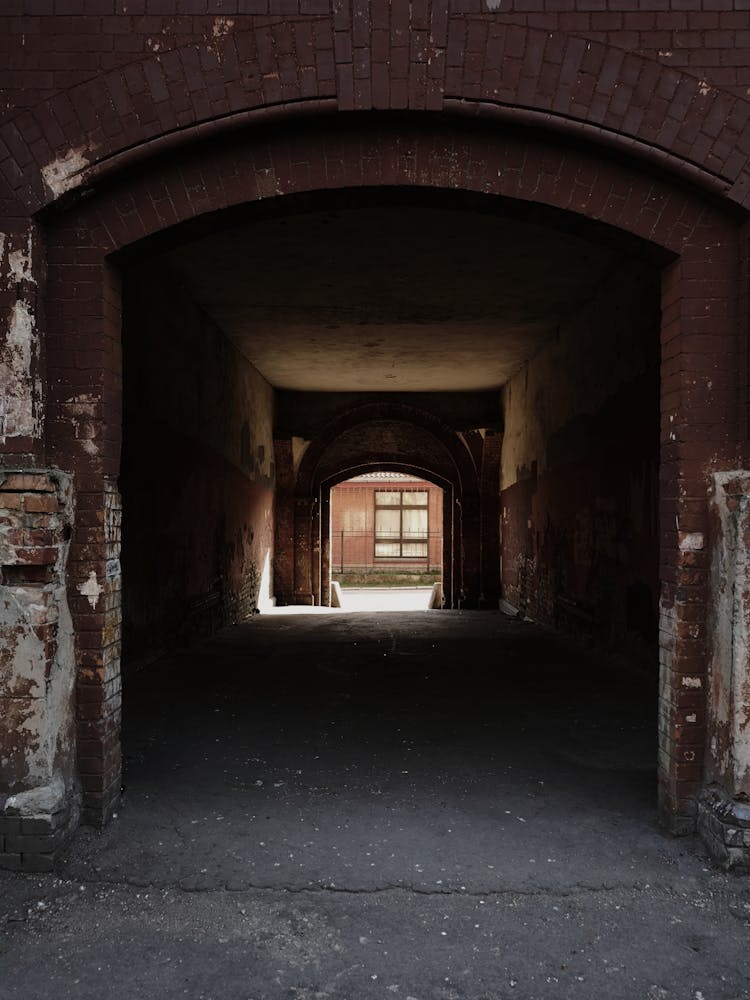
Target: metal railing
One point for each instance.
(362, 550)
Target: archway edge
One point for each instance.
(406, 468)
(434, 156)
(82, 315)
(247, 74)
(310, 476)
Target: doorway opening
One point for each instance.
(386, 543)
(542, 452)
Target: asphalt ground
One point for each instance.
(434, 805)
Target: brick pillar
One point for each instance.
(303, 554)
(325, 547)
(724, 804)
(84, 430)
(21, 343)
(38, 802)
(448, 547)
(283, 559)
(316, 552)
(698, 431)
(489, 498)
(470, 549)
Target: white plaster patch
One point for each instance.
(703, 88)
(91, 589)
(46, 799)
(691, 718)
(19, 264)
(63, 173)
(222, 26)
(691, 541)
(18, 416)
(81, 411)
(692, 682)
(494, 4)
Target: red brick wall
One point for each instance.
(353, 513)
(579, 500)
(51, 45)
(197, 473)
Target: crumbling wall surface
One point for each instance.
(21, 396)
(197, 473)
(38, 805)
(579, 470)
(724, 806)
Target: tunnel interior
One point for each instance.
(527, 337)
(532, 338)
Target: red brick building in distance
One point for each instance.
(386, 523)
(253, 248)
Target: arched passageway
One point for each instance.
(386, 541)
(508, 353)
(504, 320)
(491, 292)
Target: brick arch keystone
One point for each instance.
(583, 89)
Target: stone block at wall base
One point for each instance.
(35, 826)
(724, 827)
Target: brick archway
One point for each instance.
(352, 442)
(699, 377)
(472, 66)
(451, 526)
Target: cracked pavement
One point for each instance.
(449, 805)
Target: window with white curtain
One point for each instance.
(401, 525)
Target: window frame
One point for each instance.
(401, 540)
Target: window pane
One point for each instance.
(387, 549)
(387, 523)
(415, 524)
(388, 498)
(414, 498)
(414, 549)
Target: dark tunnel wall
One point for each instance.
(579, 470)
(197, 472)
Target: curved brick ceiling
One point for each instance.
(391, 297)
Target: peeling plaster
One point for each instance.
(692, 682)
(22, 392)
(37, 669)
(81, 411)
(91, 589)
(222, 26)
(19, 264)
(44, 799)
(729, 631)
(691, 541)
(18, 413)
(63, 173)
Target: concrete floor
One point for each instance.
(449, 805)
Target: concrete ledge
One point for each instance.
(34, 827)
(724, 827)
